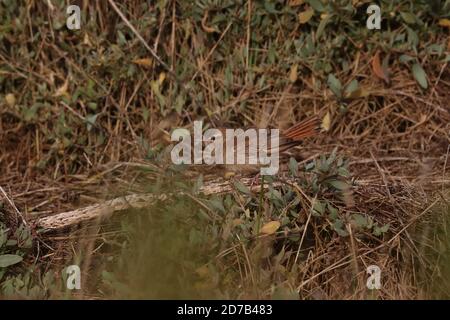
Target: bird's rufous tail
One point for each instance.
(304, 129)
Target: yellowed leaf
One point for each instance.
(10, 99)
(270, 227)
(229, 174)
(293, 74)
(162, 77)
(296, 3)
(305, 16)
(87, 40)
(202, 271)
(258, 69)
(236, 222)
(326, 122)
(146, 62)
(62, 91)
(358, 93)
(444, 23)
(378, 69)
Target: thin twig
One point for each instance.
(11, 203)
(141, 39)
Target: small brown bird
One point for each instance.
(288, 139)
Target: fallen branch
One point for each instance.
(137, 201)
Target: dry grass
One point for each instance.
(396, 137)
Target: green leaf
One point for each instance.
(30, 114)
(90, 121)
(320, 29)
(341, 232)
(333, 212)
(318, 208)
(270, 7)
(409, 18)
(274, 194)
(332, 156)
(145, 114)
(7, 260)
(436, 49)
(90, 90)
(92, 106)
(360, 221)
(338, 226)
(179, 103)
(154, 85)
(339, 184)
(11, 243)
(413, 38)
(335, 85)
(352, 86)
(420, 75)
(310, 165)
(405, 58)
(3, 238)
(121, 38)
(216, 203)
(316, 5)
(343, 172)
(377, 231)
(242, 188)
(293, 166)
(385, 228)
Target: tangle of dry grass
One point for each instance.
(54, 158)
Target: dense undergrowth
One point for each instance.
(78, 108)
